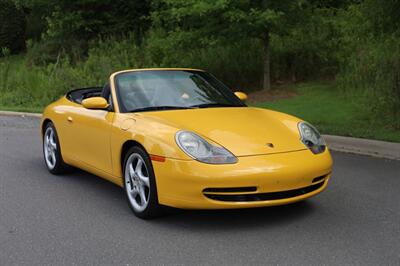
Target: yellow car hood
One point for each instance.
(244, 131)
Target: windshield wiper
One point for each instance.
(207, 105)
(158, 108)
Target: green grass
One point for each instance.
(332, 112)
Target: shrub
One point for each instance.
(374, 72)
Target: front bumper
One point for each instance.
(254, 181)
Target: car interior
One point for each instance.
(78, 95)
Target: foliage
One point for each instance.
(201, 21)
(309, 49)
(228, 18)
(236, 63)
(23, 84)
(69, 26)
(371, 61)
(12, 27)
(78, 43)
(88, 19)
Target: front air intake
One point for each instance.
(265, 196)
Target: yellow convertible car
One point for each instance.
(181, 138)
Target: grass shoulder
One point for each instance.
(332, 111)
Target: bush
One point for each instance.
(25, 84)
(373, 72)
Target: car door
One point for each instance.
(91, 133)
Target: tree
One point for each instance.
(89, 19)
(229, 19)
(12, 27)
(68, 23)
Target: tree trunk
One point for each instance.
(266, 63)
(292, 68)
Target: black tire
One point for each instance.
(153, 209)
(59, 167)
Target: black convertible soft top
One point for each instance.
(78, 95)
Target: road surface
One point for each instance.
(81, 219)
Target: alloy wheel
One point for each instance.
(50, 148)
(137, 182)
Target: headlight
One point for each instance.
(311, 138)
(199, 149)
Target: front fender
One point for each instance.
(156, 138)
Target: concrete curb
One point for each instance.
(375, 148)
(22, 114)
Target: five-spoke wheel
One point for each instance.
(51, 150)
(139, 183)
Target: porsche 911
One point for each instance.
(182, 138)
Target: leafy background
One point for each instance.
(342, 54)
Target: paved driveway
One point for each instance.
(81, 219)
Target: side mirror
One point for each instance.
(241, 95)
(95, 103)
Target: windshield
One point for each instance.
(171, 89)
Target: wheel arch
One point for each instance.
(44, 124)
(125, 147)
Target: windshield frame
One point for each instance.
(220, 86)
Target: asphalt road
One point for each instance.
(81, 219)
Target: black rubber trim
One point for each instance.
(317, 179)
(265, 196)
(230, 189)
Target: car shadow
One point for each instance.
(234, 219)
(196, 220)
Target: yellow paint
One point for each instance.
(92, 139)
(241, 95)
(95, 103)
(184, 181)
